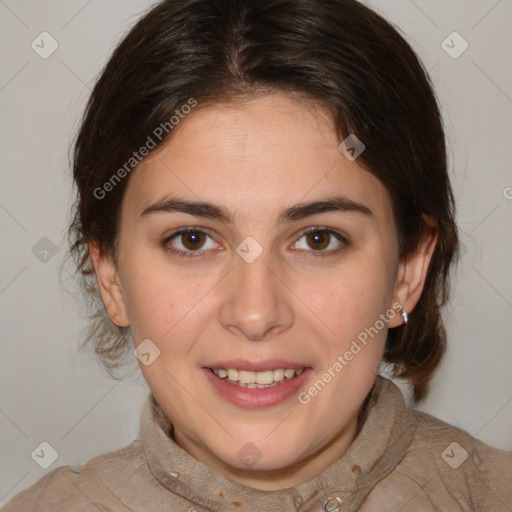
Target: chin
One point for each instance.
(263, 456)
(260, 463)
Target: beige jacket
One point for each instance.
(401, 461)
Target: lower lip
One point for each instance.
(254, 398)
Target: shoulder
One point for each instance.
(452, 466)
(80, 488)
(459, 449)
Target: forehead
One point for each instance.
(255, 157)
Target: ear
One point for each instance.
(412, 274)
(109, 285)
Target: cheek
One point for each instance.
(352, 298)
(163, 304)
(150, 306)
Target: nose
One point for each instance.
(257, 304)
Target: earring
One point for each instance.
(404, 314)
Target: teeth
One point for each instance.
(278, 375)
(245, 377)
(264, 377)
(289, 373)
(255, 380)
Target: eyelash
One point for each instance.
(315, 253)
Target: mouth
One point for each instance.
(256, 380)
(261, 385)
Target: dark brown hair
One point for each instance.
(338, 53)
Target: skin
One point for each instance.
(257, 157)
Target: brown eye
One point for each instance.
(189, 242)
(318, 240)
(193, 240)
(321, 242)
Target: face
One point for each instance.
(224, 267)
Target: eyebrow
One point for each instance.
(212, 211)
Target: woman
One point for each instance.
(264, 208)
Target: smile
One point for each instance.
(251, 389)
(257, 380)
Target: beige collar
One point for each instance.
(386, 432)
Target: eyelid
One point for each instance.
(323, 228)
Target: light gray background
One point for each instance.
(49, 392)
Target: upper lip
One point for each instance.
(252, 366)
